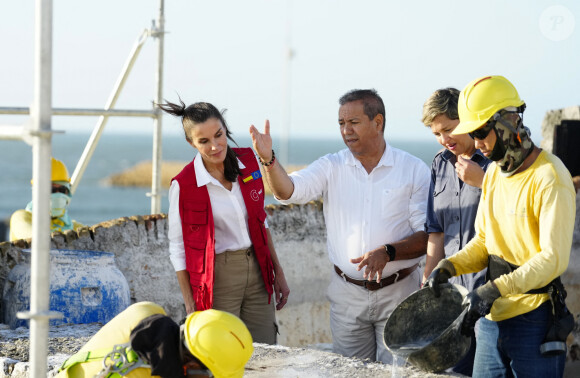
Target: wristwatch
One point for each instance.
(391, 251)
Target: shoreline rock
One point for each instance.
(140, 175)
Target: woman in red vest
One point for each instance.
(219, 243)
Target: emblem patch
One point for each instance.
(254, 176)
(255, 195)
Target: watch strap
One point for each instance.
(391, 251)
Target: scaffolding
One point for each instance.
(37, 132)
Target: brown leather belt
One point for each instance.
(374, 285)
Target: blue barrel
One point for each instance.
(86, 286)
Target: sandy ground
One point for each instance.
(267, 360)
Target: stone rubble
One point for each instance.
(267, 360)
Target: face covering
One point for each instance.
(58, 204)
(60, 220)
(512, 146)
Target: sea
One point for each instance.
(95, 201)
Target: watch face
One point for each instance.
(390, 251)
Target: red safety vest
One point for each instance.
(199, 233)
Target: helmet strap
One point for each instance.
(499, 118)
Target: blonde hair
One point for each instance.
(442, 101)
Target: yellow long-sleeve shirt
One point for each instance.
(117, 331)
(528, 220)
(21, 225)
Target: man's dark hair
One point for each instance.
(372, 102)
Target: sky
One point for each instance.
(234, 55)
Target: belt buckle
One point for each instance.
(368, 284)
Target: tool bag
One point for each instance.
(561, 321)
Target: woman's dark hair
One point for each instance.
(199, 113)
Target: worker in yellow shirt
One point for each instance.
(143, 341)
(524, 228)
(21, 220)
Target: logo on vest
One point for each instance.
(255, 195)
(253, 176)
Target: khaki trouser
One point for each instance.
(239, 289)
(358, 316)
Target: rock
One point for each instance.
(266, 361)
(140, 174)
(553, 118)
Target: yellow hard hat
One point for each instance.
(481, 99)
(59, 172)
(220, 340)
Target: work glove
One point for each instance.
(478, 303)
(441, 274)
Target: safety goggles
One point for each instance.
(483, 131)
(60, 189)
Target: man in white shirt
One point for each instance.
(375, 199)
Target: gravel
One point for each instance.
(267, 360)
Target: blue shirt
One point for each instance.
(452, 207)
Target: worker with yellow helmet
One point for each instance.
(524, 228)
(143, 341)
(21, 220)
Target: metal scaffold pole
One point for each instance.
(100, 126)
(14, 132)
(287, 89)
(40, 134)
(159, 31)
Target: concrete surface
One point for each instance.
(267, 361)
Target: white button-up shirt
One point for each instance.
(229, 215)
(363, 211)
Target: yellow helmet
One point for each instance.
(59, 172)
(481, 99)
(220, 340)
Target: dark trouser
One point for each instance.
(511, 347)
